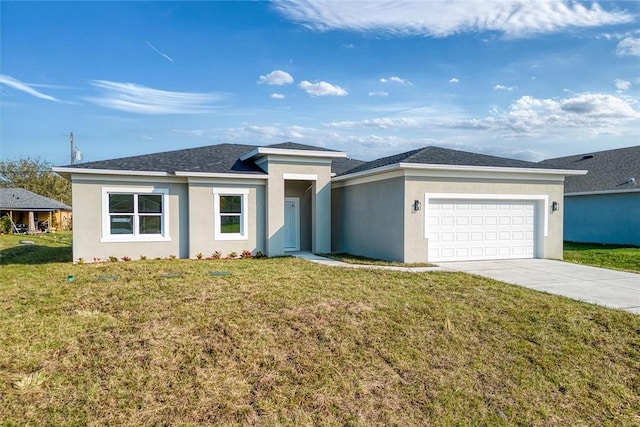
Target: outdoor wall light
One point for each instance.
(554, 206)
(416, 205)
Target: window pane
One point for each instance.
(231, 204)
(230, 224)
(120, 203)
(121, 224)
(150, 224)
(150, 203)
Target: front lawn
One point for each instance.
(284, 341)
(608, 256)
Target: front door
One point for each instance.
(291, 224)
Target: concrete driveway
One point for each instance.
(610, 288)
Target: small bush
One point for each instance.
(259, 254)
(80, 260)
(199, 255)
(113, 258)
(126, 258)
(216, 255)
(245, 254)
(97, 259)
(232, 254)
(172, 257)
(143, 257)
(5, 224)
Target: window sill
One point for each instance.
(128, 239)
(228, 237)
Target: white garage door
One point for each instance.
(461, 230)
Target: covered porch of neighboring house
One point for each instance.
(22, 211)
(23, 222)
(36, 220)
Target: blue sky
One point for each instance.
(523, 79)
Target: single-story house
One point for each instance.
(431, 204)
(30, 212)
(602, 206)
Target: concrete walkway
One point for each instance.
(609, 288)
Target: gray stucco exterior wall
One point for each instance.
(374, 218)
(87, 222)
(202, 218)
(603, 218)
(369, 219)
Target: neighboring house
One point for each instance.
(602, 206)
(431, 204)
(31, 212)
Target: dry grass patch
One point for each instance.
(356, 259)
(286, 342)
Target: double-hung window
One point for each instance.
(134, 214)
(230, 210)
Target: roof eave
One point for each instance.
(566, 172)
(461, 168)
(602, 192)
(264, 151)
(222, 175)
(69, 171)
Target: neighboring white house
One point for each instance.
(602, 206)
(431, 204)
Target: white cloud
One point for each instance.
(441, 18)
(134, 98)
(322, 89)
(592, 113)
(277, 78)
(622, 85)
(380, 123)
(453, 80)
(24, 87)
(503, 87)
(628, 47)
(380, 93)
(396, 79)
(277, 96)
(526, 117)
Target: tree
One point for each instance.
(35, 175)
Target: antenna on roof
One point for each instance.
(75, 153)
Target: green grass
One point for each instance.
(287, 342)
(47, 248)
(355, 259)
(608, 256)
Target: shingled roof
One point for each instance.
(19, 199)
(444, 156)
(611, 170)
(223, 158)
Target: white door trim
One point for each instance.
(296, 229)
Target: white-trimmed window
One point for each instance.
(230, 210)
(135, 214)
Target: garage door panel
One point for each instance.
(464, 230)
